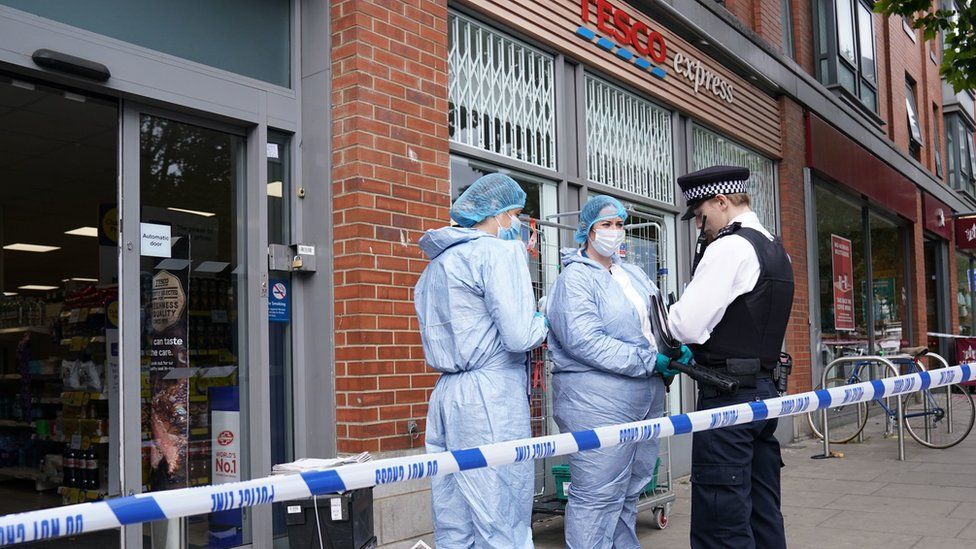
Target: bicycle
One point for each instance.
(936, 418)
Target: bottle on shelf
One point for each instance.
(91, 469)
(70, 470)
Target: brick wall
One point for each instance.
(768, 19)
(390, 182)
(803, 35)
(745, 11)
(917, 274)
(793, 232)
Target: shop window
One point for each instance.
(960, 153)
(842, 266)
(628, 142)
(914, 126)
(965, 274)
(248, 37)
(711, 149)
(888, 300)
(501, 94)
(846, 50)
(938, 142)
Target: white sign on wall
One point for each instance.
(225, 446)
(155, 240)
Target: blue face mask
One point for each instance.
(513, 232)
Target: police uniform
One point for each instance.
(733, 317)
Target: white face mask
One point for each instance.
(607, 241)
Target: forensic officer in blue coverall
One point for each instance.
(733, 316)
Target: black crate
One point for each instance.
(346, 521)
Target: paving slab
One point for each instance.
(866, 500)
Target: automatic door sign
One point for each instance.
(279, 301)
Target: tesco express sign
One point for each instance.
(625, 30)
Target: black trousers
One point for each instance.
(735, 475)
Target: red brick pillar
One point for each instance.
(389, 183)
(793, 225)
(917, 307)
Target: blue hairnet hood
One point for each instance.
(597, 209)
(490, 195)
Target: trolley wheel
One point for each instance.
(661, 518)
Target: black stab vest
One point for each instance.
(755, 323)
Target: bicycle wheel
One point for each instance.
(845, 422)
(927, 416)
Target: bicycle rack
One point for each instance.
(945, 364)
(900, 412)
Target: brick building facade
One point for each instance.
(394, 149)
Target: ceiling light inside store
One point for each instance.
(38, 287)
(194, 212)
(275, 188)
(79, 279)
(83, 231)
(75, 97)
(37, 248)
(8, 294)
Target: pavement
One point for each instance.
(866, 499)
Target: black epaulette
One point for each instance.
(729, 229)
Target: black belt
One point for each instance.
(748, 381)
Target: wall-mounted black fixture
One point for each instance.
(70, 64)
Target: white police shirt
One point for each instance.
(729, 268)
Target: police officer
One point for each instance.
(733, 316)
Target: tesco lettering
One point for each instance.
(616, 23)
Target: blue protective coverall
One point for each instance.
(603, 374)
(477, 321)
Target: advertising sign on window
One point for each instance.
(966, 352)
(843, 282)
(169, 370)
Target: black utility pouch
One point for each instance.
(745, 369)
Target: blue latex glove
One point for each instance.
(661, 365)
(686, 356)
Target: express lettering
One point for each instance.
(627, 31)
(702, 78)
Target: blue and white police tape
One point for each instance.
(89, 517)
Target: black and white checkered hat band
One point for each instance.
(711, 189)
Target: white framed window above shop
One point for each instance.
(501, 93)
(845, 51)
(712, 149)
(914, 124)
(960, 156)
(786, 21)
(628, 142)
(937, 140)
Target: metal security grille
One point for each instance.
(501, 95)
(711, 149)
(628, 142)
